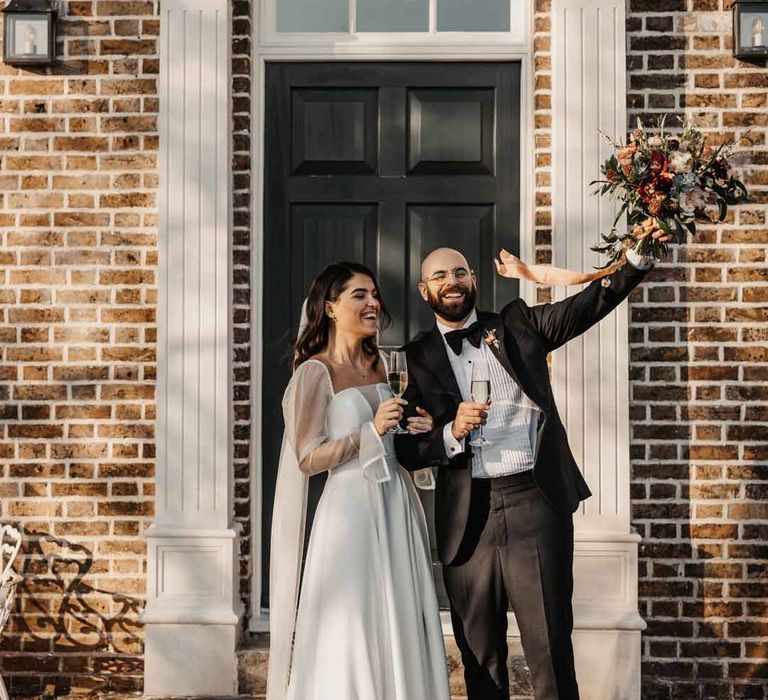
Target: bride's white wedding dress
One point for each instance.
(368, 625)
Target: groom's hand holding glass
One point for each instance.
(471, 415)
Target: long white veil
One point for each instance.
(287, 539)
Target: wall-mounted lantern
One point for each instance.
(750, 30)
(29, 38)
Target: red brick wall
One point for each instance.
(699, 373)
(78, 234)
(542, 125)
(241, 292)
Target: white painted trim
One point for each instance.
(167, 531)
(406, 51)
(257, 621)
(198, 613)
(606, 536)
(460, 48)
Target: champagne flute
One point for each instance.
(481, 393)
(397, 378)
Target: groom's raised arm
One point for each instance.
(564, 320)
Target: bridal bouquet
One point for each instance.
(674, 179)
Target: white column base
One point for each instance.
(192, 616)
(607, 664)
(607, 626)
(190, 660)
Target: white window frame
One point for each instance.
(271, 46)
(518, 35)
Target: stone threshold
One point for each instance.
(253, 657)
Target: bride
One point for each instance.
(367, 625)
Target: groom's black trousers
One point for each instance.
(521, 555)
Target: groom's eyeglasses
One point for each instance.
(460, 274)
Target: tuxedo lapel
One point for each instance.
(495, 338)
(436, 360)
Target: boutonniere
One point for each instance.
(491, 339)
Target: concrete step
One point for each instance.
(253, 657)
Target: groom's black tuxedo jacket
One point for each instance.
(525, 335)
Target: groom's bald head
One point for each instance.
(442, 259)
(448, 285)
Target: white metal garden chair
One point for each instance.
(10, 544)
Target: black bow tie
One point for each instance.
(472, 334)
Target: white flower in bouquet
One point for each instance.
(697, 198)
(680, 161)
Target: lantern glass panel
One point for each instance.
(28, 35)
(753, 29)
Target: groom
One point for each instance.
(503, 514)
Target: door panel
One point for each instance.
(380, 163)
(469, 227)
(334, 131)
(450, 131)
(324, 233)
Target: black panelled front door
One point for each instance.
(380, 163)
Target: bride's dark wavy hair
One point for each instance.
(328, 286)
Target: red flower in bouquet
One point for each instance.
(659, 163)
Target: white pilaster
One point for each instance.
(591, 373)
(193, 607)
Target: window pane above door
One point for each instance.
(475, 16)
(312, 15)
(392, 15)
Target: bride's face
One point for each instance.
(357, 309)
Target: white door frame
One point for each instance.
(446, 47)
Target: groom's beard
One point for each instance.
(452, 312)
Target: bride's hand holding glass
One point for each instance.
(388, 414)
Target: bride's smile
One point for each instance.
(356, 312)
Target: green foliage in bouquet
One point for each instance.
(674, 178)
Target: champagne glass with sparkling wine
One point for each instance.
(481, 393)
(397, 378)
